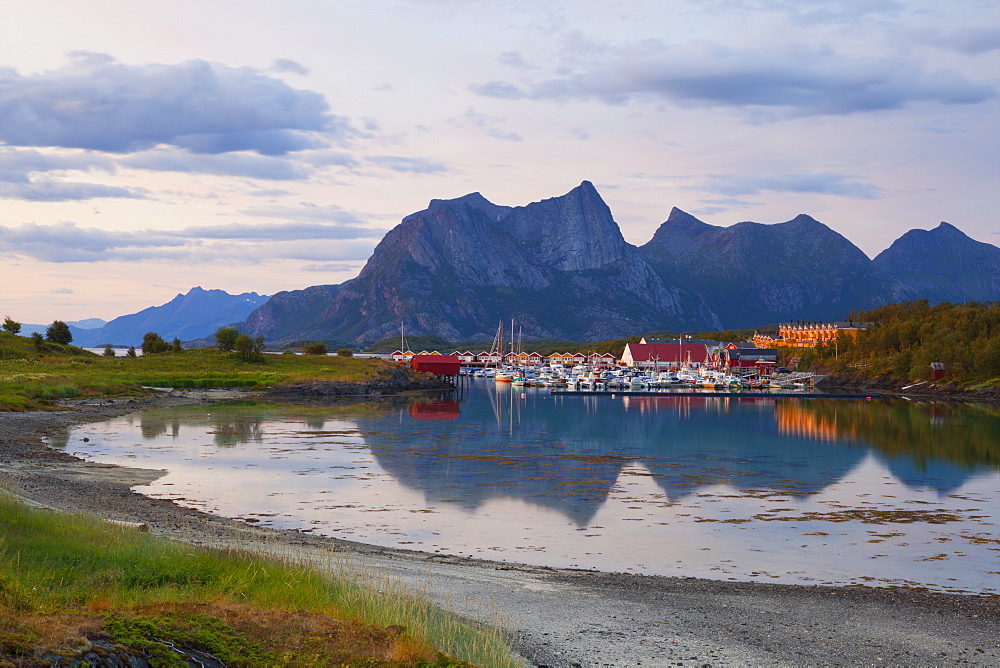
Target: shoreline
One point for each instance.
(555, 617)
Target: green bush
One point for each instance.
(58, 332)
(315, 348)
(225, 338)
(153, 343)
(250, 350)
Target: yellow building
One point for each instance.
(809, 334)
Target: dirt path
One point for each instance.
(556, 617)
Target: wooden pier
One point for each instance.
(710, 393)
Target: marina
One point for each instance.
(712, 393)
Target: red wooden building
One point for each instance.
(440, 365)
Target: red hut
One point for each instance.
(440, 365)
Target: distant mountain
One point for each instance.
(562, 269)
(287, 315)
(944, 265)
(89, 323)
(75, 327)
(194, 315)
(752, 273)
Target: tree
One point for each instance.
(58, 332)
(251, 350)
(11, 326)
(38, 341)
(152, 344)
(317, 348)
(109, 350)
(131, 352)
(176, 346)
(225, 338)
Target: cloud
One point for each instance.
(491, 125)
(19, 179)
(792, 82)
(67, 242)
(331, 267)
(967, 41)
(61, 191)
(514, 59)
(401, 164)
(289, 66)
(96, 103)
(281, 232)
(307, 211)
(269, 192)
(733, 185)
(251, 165)
(17, 165)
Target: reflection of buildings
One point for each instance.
(799, 419)
(435, 410)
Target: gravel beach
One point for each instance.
(556, 617)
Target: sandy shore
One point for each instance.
(556, 617)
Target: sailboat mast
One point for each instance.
(512, 351)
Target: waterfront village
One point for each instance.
(652, 363)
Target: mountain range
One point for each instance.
(562, 269)
(194, 315)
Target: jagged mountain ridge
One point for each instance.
(753, 274)
(562, 269)
(194, 315)
(944, 265)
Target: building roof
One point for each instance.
(665, 352)
(675, 341)
(844, 324)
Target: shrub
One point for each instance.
(152, 344)
(225, 338)
(345, 352)
(38, 341)
(131, 352)
(58, 332)
(250, 350)
(109, 350)
(317, 348)
(10, 326)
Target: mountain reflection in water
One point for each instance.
(567, 453)
(840, 491)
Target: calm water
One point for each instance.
(819, 491)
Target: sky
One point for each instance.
(251, 146)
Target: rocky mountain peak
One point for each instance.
(944, 264)
(679, 234)
(571, 232)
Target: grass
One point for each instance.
(32, 379)
(68, 581)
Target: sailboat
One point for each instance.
(502, 375)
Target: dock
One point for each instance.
(710, 393)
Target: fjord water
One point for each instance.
(801, 491)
